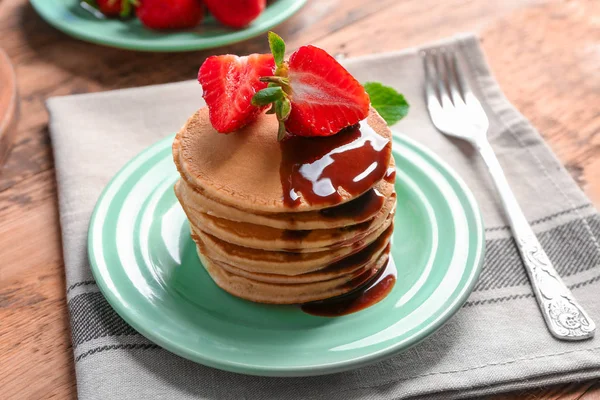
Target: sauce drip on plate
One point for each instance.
(316, 169)
(375, 285)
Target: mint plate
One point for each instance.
(146, 265)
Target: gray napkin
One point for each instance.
(496, 342)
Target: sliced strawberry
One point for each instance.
(170, 14)
(325, 97)
(235, 13)
(312, 94)
(229, 82)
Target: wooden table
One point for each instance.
(545, 54)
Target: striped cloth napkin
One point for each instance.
(496, 342)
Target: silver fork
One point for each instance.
(455, 111)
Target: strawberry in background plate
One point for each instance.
(115, 8)
(170, 14)
(235, 13)
(229, 82)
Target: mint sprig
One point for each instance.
(391, 105)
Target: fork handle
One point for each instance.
(564, 317)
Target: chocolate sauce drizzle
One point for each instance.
(373, 286)
(316, 170)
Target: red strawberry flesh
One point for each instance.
(170, 14)
(229, 82)
(110, 8)
(325, 97)
(235, 13)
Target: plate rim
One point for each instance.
(234, 36)
(313, 370)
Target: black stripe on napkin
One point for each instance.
(526, 295)
(78, 284)
(93, 318)
(547, 218)
(128, 346)
(571, 247)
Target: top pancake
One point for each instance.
(242, 169)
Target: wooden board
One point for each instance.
(545, 55)
(9, 106)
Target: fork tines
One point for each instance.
(447, 90)
(444, 78)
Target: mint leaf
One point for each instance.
(267, 96)
(277, 46)
(390, 104)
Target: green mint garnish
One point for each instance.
(391, 105)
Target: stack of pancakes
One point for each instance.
(257, 247)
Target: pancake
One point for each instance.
(272, 239)
(356, 211)
(245, 169)
(264, 292)
(281, 262)
(289, 222)
(343, 269)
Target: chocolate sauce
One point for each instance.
(362, 257)
(375, 285)
(357, 260)
(390, 175)
(315, 169)
(289, 234)
(358, 209)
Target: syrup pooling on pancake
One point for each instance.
(318, 169)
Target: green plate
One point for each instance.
(69, 17)
(145, 263)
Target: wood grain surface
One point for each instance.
(545, 54)
(9, 106)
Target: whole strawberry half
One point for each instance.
(312, 94)
(170, 14)
(235, 13)
(229, 82)
(325, 97)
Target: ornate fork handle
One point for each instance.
(564, 317)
